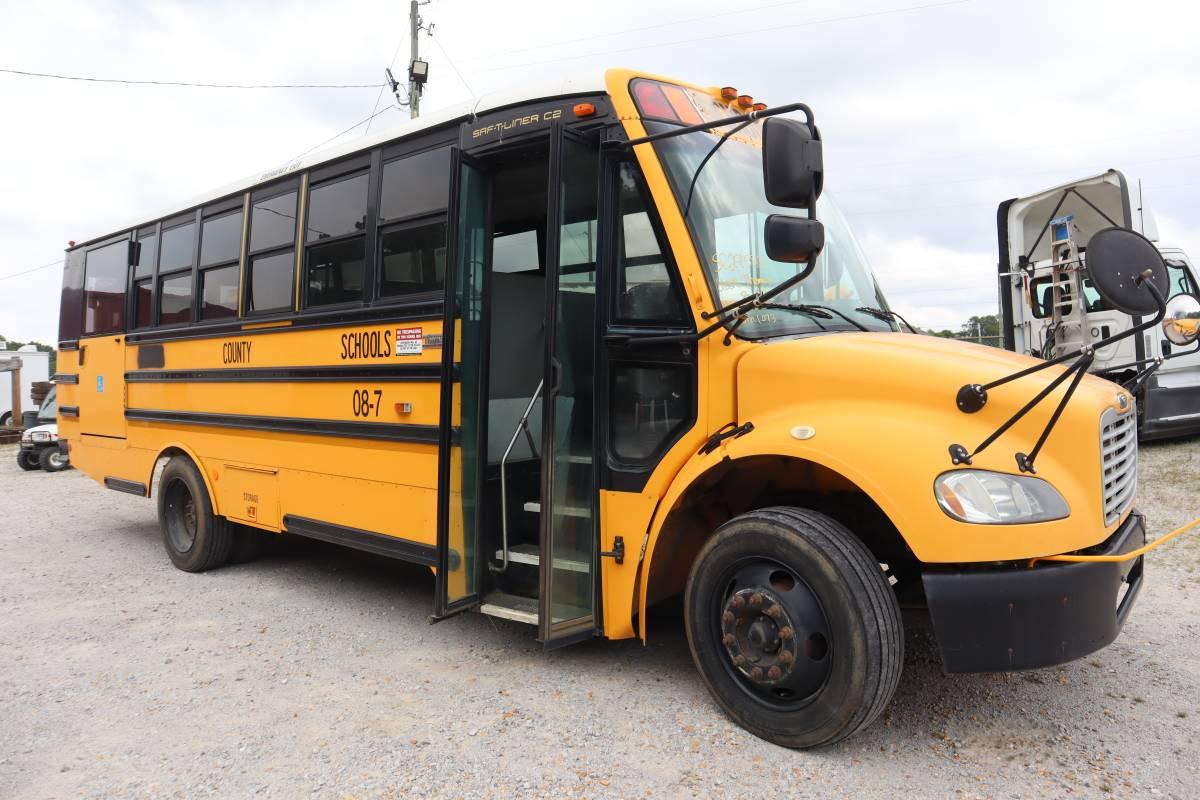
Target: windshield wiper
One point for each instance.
(696, 175)
(808, 308)
(887, 315)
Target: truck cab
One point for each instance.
(1049, 304)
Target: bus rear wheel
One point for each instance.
(794, 627)
(196, 539)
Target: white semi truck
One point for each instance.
(35, 367)
(1049, 306)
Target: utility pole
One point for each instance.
(418, 70)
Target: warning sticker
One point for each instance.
(409, 342)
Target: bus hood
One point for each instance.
(892, 397)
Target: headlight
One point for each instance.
(994, 498)
(40, 436)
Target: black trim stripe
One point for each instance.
(385, 431)
(426, 372)
(368, 541)
(423, 312)
(64, 378)
(68, 411)
(128, 487)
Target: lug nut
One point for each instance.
(774, 612)
(774, 673)
(737, 602)
(756, 674)
(739, 661)
(786, 634)
(756, 600)
(728, 640)
(727, 618)
(786, 657)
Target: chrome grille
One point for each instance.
(1118, 460)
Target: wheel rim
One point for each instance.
(57, 460)
(774, 635)
(181, 516)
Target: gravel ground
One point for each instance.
(313, 672)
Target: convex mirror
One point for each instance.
(1181, 325)
(793, 164)
(1116, 259)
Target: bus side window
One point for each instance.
(220, 248)
(270, 284)
(176, 252)
(412, 224)
(646, 292)
(105, 269)
(335, 241)
(143, 278)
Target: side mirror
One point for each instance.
(1181, 325)
(792, 239)
(793, 164)
(1117, 259)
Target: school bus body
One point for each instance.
(334, 425)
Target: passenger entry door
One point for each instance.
(569, 518)
(460, 466)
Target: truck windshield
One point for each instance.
(726, 215)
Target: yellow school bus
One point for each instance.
(582, 349)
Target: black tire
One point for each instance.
(53, 460)
(803, 572)
(196, 539)
(28, 460)
(6, 419)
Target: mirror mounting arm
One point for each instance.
(973, 397)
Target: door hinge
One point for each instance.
(618, 552)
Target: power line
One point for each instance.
(669, 24)
(728, 35)
(451, 63)
(90, 79)
(55, 263)
(343, 133)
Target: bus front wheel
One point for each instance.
(794, 627)
(196, 539)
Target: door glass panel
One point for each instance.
(464, 453)
(571, 534)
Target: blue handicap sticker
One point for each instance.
(99, 383)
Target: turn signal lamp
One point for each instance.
(665, 101)
(584, 109)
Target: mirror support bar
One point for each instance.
(973, 397)
(717, 123)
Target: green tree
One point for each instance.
(983, 329)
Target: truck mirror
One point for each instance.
(1181, 325)
(1121, 262)
(793, 166)
(792, 239)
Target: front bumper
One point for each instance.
(1019, 617)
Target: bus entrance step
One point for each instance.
(510, 606)
(562, 511)
(530, 554)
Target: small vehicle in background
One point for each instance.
(39, 444)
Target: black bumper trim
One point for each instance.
(1014, 618)
(128, 487)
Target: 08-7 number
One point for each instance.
(362, 403)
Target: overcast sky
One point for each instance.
(932, 111)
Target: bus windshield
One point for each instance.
(726, 214)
